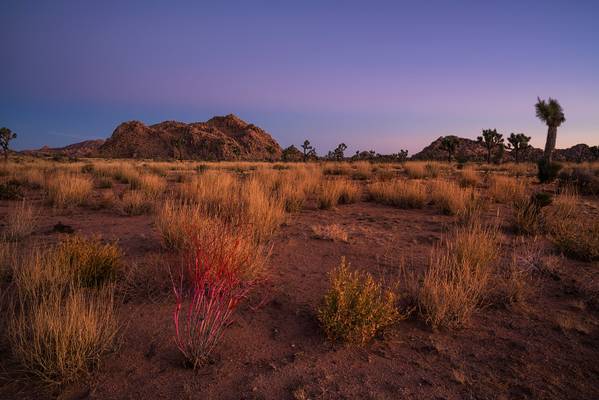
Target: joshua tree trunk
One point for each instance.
(488, 155)
(550, 143)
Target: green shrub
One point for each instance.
(356, 307)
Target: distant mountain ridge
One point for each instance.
(230, 138)
(472, 150)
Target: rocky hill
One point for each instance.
(220, 138)
(471, 150)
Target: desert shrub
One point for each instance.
(328, 194)
(57, 329)
(527, 217)
(356, 307)
(456, 280)
(10, 190)
(469, 177)
(209, 290)
(332, 232)
(402, 194)
(20, 221)
(91, 262)
(66, 190)
(175, 220)
(151, 185)
(583, 179)
(547, 172)
(448, 197)
(135, 202)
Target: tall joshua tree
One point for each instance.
(450, 145)
(552, 114)
(6, 135)
(490, 139)
(517, 143)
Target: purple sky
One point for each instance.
(375, 75)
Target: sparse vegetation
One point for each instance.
(402, 194)
(65, 190)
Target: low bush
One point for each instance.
(356, 307)
(402, 194)
(582, 179)
(575, 236)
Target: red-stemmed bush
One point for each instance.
(209, 290)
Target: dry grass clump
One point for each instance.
(469, 177)
(136, 202)
(505, 189)
(457, 278)
(33, 177)
(337, 168)
(248, 201)
(151, 185)
(573, 234)
(356, 307)
(66, 190)
(125, 173)
(527, 217)
(59, 327)
(334, 232)
(20, 221)
(362, 170)
(402, 194)
(175, 220)
(182, 225)
(449, 198)
(337, 191)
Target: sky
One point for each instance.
(381, 75)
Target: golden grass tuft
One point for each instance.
(136, 202)
(505, 189)
(152, 186)
(337, 191)
(449, 198)
(66, 190)
(62, 319)
(334, 232)
(20, 221)
(356, 307)
(469, 177)
(401, 193)
(456, 281)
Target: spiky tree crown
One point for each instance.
(550, 112)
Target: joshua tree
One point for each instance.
(517, 143)
(552, 114)
(490, 139)
(450, 145)
(309, 151)
(6, 135)
(338, 153)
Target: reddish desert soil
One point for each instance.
(547, 349)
